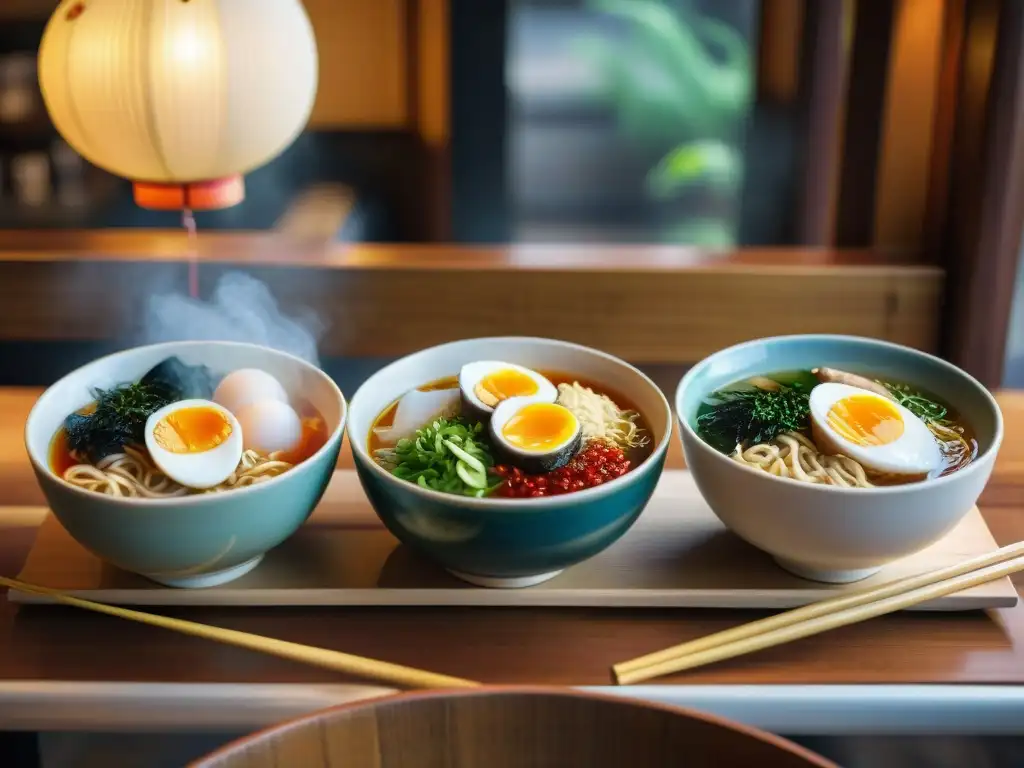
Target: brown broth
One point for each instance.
(314, 437)
(635, 455)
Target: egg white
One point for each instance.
(246, 386)
(202, 470)
(269, 426)
(472, 373)
(915, 453)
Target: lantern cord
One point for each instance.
(188, 220)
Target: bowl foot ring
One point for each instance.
(811, 573)
(504, 582)
(212, 579)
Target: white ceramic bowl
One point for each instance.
(828, 533)
(190, 541)
(497, 542)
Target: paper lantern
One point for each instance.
(182, 97)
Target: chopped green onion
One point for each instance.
(472, 478)
(468, 459)
(446, 455)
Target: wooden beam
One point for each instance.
(911, 101)
(433, 104)
(647, 304)
(953, 33)
(822, 86)
(869, 69)
(986, 217)
(778, 61)
(27, 10)
(363, 70)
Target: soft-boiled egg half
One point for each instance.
(487, 383)
(879, 433)
(535, 436)
(196, 443)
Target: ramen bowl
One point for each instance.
(196, 540)
(824, 532)
(494, 727)
(502, 542)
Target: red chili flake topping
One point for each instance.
(596, 464)
(75, 11)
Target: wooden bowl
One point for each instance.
(509, 728)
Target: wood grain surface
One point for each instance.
(509, 729)
(677, 555)
(645, 304)
(503, 645)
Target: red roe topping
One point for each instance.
(594, 465)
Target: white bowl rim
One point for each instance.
(977, 465)
(195, 499)
(531, 504)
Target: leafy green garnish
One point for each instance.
(119, 419)
(751, 416)
(923, 407)
(446, 455)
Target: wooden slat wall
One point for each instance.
(433, 62)
(647, 304)
(27, 9)
(946, 113)
(982, 237)
(907, 124)
(823, 76)
(364, 83)
(778, 65)
(433, 118)
(363, 73)
(865, 103)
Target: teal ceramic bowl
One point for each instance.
(824, 532)
(190, 541)
(496, 542)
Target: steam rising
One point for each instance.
(242, 309)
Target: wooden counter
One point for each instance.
(56, 649)
(647, 304)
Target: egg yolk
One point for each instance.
(503, 384)
(540, 427)
(866, 420)
(192, 430)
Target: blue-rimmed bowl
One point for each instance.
(829, 533)
(189, 541)
(497, 542)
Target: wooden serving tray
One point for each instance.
(677, 555)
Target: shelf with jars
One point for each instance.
(43, 181)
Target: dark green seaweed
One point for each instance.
(120, 415)
(119, 419)
(751, 416)
(180, 380)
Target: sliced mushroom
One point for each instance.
(852, 379)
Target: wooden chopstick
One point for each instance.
(821, 608)
(822, 616)
(305, 654)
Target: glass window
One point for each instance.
(629, 121)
